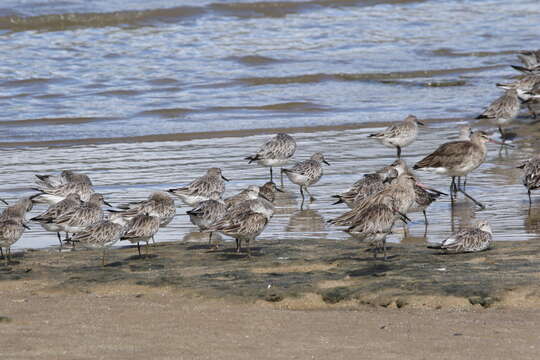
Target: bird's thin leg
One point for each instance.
(482, 206)
(1, 252)
(425, 217)
(271, 175)
(530, 200)
(139, 248)
(302, 193)
(384, 249)
(465, 183)
(531, 111)
(59, 240)
(398, 152)
(210, 239)
(453, 187)
(502, 132)
(281, 177)
(237, 245)
(311, 197)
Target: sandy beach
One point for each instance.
(184, 301)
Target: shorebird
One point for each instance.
(66, 176)
(529, 58)
(458, 158)
(11, 230)
(531, 176)
(370, 184)
(142, 227)
(79, 217)
(248, 219)
(100, 235)
(249, 193)
(476, 238)
(465, 133)
(275, 152)
(374, 223)
(17, 210)
(268, 192)
(55, 211)
(162, 205)
(424, 198)
(503, 110)
(53, 194)
(399, 196)
(306, 173)
(399, 135)
(208, 212)
(201, 188)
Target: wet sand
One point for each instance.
(318, 299)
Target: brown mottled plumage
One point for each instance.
(531, 176)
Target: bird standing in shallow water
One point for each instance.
(201, 188)
(503, 110)
(474, 239)
(275, 152)
(399, 135)
(531, 176)
(458, 158)
(307, 173)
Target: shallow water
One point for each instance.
(145, 95)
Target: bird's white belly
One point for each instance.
(273, 162)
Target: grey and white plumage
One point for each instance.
(53, 194)
(374, 223)
(275, 152)
(503, 110)
(249, 193)
(531, 174)
(143, 226)
(201, 188)
(249, 218)
(17, 210)
(66, 176)
(162, 205)
(100, 235)
(477, 238)
(399, 196)
(307, 173)
(369, 184)
(79, 217)
(529, 58)
(399, 135)
(11, 230)
(46, 219)
(465, 132)
(457, 159)
(208, 212)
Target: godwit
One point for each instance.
(458, 158)
(306, 173)
(531, 176)
(208, 212)
(503, 110)
(46, 219)
(399, 135)
(201, 188)
(465, 133)
(275, 152)
(476, 238)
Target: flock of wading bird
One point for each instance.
(376, 201)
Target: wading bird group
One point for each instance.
(376, 201)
